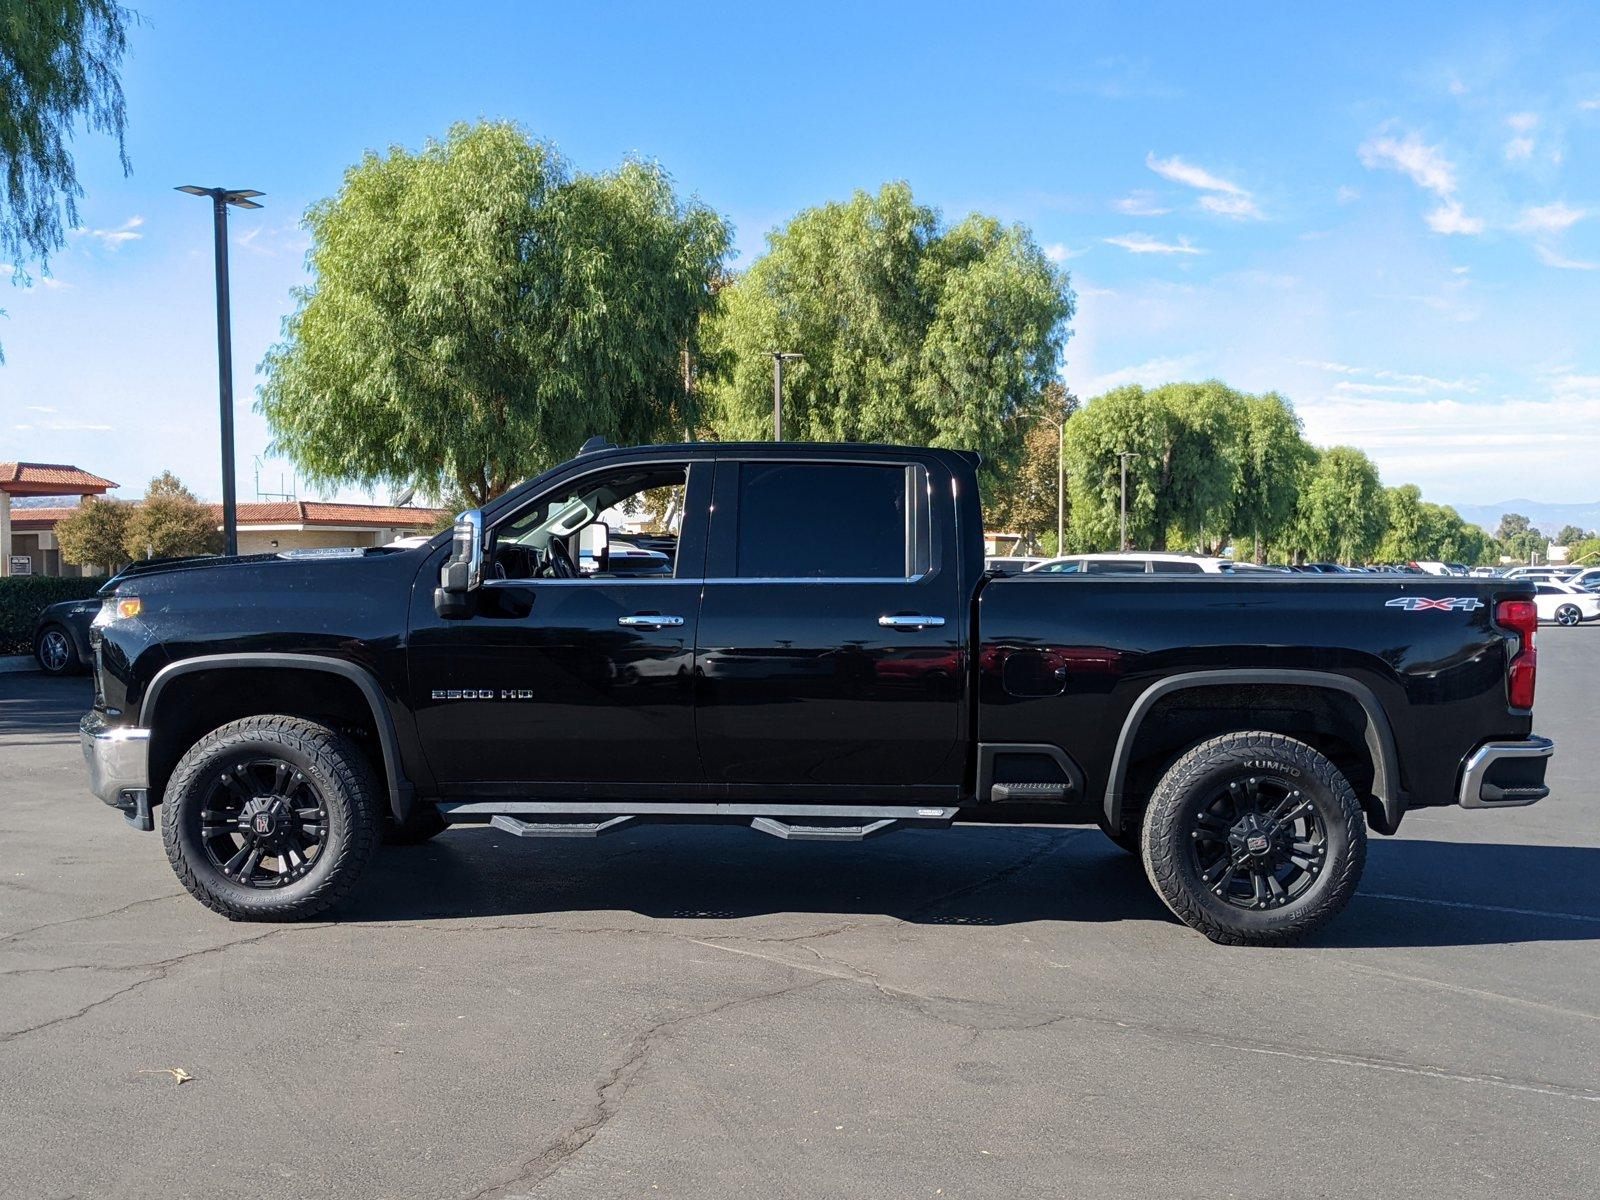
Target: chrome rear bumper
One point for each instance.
(1506, 774)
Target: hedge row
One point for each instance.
(23, 597)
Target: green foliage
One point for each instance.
(1342, 508)
(1586, 551)
(1524, 545)
(912, 332)
(1569, 534)
(1027, 502)
(58, 70)
(1512, 525)
(169, 521)
(479, 310)
(1420, 531)
(95, 533)
(23, 597)
(1272, 461)
(1186, 481)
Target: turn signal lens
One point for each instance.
(129, 606)
(1521, 617)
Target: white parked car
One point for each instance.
(1011, 564)
(1134, 563)
(1589, 578)
(1565, 604)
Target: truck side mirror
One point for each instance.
(462, 573)
(594, 548)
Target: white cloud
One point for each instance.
(1422, 382)
(1449, 445)
(1139, 203)
(1226, 198)
(1141, 243)
(114, 239)
(1523, 122)
(1378, 389)
(1188, 174)
(1590, 105)
(1153, 373)
(1519, 149)
(1425, 165)
(1059, 252)
(1240, 207)
(1448, 218)
(1347, 195)
(1552, 258)
(1550, 218)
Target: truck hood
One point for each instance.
(265, 562)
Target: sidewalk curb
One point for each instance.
(17, 662)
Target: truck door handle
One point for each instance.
(649, 621)
(909, 621)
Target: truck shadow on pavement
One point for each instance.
(1415, 893)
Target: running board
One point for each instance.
(791, 822)
(558, 828)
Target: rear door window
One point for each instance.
(828, 521)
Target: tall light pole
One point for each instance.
(1123, 456)
(220, 199)
(779, 357)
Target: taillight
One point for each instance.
(1522, 619)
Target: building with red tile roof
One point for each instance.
(263, 527)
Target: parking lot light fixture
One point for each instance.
(221, 198)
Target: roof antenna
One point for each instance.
(595, 443)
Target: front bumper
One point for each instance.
(1506, 774)
(118, 757)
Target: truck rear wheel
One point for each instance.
(270, 818)
(1254, 839)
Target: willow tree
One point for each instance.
(1343, 510)
(1186, 447)
(478, 309)
(59, 63)
(912, 331)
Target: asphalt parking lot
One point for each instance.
(709, 1012)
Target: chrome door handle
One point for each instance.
(909, 621)
(649, 621)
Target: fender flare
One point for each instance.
(1379, 734)
(400, 789)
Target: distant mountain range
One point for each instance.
(1547, 518)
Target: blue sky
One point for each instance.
(1389, 213)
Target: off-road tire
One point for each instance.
(1170, 822)
(349, 793)
(422, 825)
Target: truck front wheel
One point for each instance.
(1254, 839)
(270, 818)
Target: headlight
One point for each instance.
(119, 608)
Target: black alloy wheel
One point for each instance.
(262, 823)
(1257, 842)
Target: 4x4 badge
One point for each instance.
(1426, 604)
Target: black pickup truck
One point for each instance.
(823, 658)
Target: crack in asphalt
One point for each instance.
(614, 1088)
(158, 971)
(937, 1008)
(110, 912)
